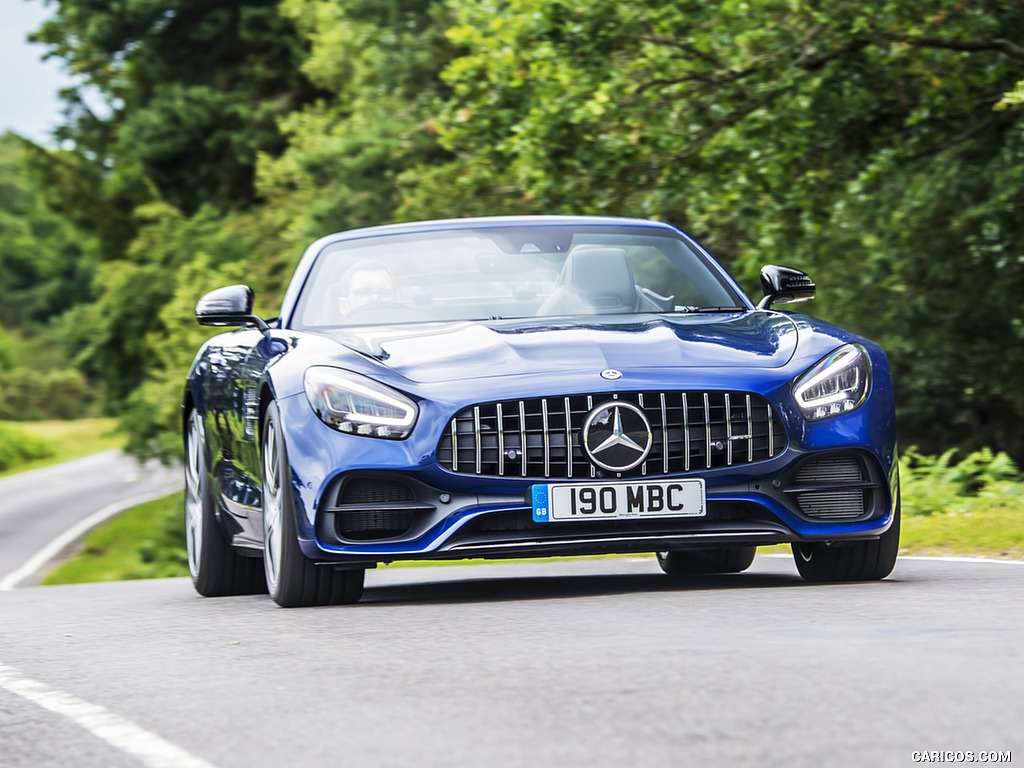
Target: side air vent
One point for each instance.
(371, 490)
(373, 508)
(833, 488)
(372, 524)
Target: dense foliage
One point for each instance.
(957, 484)
(43, 266)
(880, 146)
(17, 448)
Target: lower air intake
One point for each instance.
(372, 490)
(373, 508)
(372, 524)
(832, 501)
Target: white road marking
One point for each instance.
(123, 734)
(75, 532)
(935, 558)
(964, 559)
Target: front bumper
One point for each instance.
(372, 516)
(361, 501)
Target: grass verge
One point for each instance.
(144, 542)
(148, 542)
(67, 440)
(980, 503)
(995, 532)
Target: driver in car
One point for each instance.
(365, 282)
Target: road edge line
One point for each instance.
(932, 558)
(75, 532)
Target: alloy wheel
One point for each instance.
(272, 507)
(194, 468)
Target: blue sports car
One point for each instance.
(529, 386)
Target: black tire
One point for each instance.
(216, 569)
(704, 560)
(858, 561)
(292, 579)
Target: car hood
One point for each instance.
(448, 351)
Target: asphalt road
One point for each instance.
(580, 663)
(46, 510)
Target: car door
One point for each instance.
(232, 398)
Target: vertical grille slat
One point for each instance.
(686, 431)
(643, 465)
(664, 435)
(728, 430)
(547, 438)
(750, 432)
(691, 431)
(707, 426)
(568, 438)
(590, 407)
(476, 434)
(501, 439)
(455, 445)
(522, 435)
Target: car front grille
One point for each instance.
(540, 437)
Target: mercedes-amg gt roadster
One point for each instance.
(530, 386)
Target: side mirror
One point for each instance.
(231, 305)
(784, 285)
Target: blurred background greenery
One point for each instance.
(877, 145)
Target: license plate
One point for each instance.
(560, 502)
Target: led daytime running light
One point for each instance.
(357, 405)
(836, 385)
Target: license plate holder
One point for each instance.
(619, 500)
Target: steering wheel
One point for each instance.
(384, 312)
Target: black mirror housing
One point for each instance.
(784, 285)
(231, 305)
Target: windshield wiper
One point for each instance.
(689, 310)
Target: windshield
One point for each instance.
(510, 272)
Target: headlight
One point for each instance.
(357, 405)
(836, 385)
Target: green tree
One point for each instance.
(878, 145)
(859, 141)
(191, 92)
(378, 64)
(122, 335)
(44, 264)
(43, 260)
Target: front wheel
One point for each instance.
(858, 561)
(706, 560)
(216, 569)
(293, 580)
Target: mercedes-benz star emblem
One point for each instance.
(617, 436)
(611, 374)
